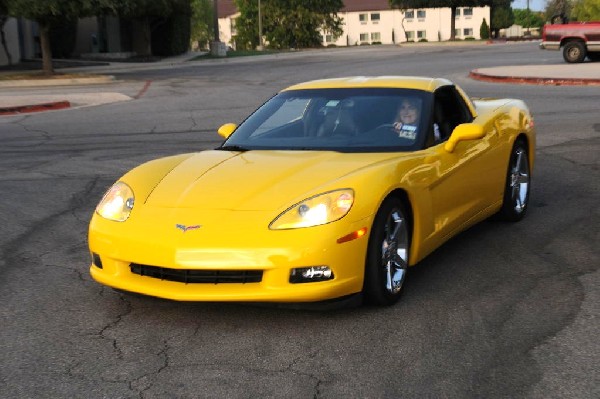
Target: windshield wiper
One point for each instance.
(233, 148)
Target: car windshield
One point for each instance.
(345, 120)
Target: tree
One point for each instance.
(502, 18)
(202, 21)
(558, 7)
(288, 23)
(3, 19)
(528, 18)
(484, 30)
(49, 12)
(586, 10)
(148, 15)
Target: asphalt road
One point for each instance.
(502, 310)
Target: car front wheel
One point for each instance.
(516, 189)
(387, 254)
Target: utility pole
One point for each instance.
(528, 17)
(217, 48)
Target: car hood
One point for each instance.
(256, 180)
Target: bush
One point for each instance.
(423, 40)
(484, 30)
(469, 38)
(173, 36)
(63, 35)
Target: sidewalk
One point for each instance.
(587, 73)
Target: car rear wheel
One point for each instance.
(574, 52)
(387, 254)
(518, 179)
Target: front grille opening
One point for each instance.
(191, 276)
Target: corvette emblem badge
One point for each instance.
(185, 228)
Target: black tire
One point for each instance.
(517, 185)
(574, 52)
(388, 253)
(594, 56)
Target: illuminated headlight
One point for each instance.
(117, 203)
(311, 274)
(317, 210)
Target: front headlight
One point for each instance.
(320, 209)
(117, 203)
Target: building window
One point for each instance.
(364, 37)
(456, 32)
(376, 37)
(421, 14)
(468, 32)
(468, 12)
(362, 18)
(329, 38)
(457, 13)
(410, 36)
(375, 17)
(410, 14)
(421, 34)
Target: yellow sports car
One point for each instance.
(331, 188)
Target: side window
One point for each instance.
(450, 110)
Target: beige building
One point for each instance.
(374, 22)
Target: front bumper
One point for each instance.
(214, 246)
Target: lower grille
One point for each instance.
(198, 276)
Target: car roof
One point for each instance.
(400, 82)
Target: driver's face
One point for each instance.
(408, 113)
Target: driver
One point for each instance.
(407, 119)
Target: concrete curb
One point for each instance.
(475, 74)
(22, 109)
(58, 82)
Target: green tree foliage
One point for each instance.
(502, 17)
(149, 15)
(288, 23)
(558, 7)
(484, 30)
(202, 22)
(528, 18)
(586, 10)
(3, 19)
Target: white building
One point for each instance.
(374, 22)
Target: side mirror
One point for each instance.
(462, 132)
(226, 130)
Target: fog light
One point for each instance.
(310, 274)
(96, 260)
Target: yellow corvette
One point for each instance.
(331, 188)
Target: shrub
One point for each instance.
(63, 34)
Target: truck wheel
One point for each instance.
(574, 52)
(595, 56)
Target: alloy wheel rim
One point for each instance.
(519, 181)
(394, 250)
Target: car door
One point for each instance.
(460, 187)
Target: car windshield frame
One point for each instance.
(350, 120)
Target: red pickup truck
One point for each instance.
(577, 40)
